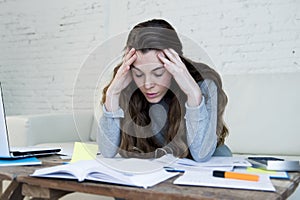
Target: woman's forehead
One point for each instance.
(147, 61)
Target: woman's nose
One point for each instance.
(148, 83)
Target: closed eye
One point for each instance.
(158, 75)
(138, 75)
(159, 72)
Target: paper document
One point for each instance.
(205, 178)
(215, 163)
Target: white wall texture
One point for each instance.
(44, 44)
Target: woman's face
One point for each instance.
(150, 76)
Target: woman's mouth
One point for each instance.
(151, 95)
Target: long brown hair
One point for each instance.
(137, 139)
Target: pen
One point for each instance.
(170, 169)
(235, 175)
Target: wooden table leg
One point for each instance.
(37, 192)
(13, 192)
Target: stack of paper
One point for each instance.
(215, 163)
(201, 173)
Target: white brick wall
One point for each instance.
(43, 44)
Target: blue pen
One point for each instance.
(170, 169)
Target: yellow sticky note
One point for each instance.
(262, 171)
(84, 151)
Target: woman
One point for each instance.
(161, 102)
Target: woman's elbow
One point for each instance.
(106, 149)
(204, 154)
(108, 154)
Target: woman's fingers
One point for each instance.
(128, 59)
(171, 61)
(163, 58)
(173, 56)
(132, 58)
(129, 55)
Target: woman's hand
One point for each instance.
(120, 81)
(184, 79)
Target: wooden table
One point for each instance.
(42, 188)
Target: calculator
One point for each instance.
(274, 163)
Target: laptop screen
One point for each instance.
(4, 143)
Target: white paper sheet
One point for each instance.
(205, 178)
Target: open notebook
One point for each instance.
(132, 171)
(8, 152)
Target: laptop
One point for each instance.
(7, 152)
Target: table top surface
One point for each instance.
(164, 190)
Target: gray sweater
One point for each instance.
(201, 123)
